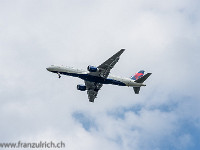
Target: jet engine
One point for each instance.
(92, 69)
(81, 87)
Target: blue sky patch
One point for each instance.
(86, 121)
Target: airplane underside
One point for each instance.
(95, 79)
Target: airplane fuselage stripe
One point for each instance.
(93, 78)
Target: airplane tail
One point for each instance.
(141, 79)
(138, 75)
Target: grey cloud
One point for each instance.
(159, 37)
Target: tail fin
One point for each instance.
(140, 80)
(138, 75)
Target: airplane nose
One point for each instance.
(51, 68)
(48, 68)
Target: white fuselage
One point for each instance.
(86, 75)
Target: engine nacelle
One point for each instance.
(92, 69)
(81, 87)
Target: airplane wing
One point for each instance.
(109, 64)
(104, 70)
(92, 89)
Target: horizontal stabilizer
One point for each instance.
(142, 79)
(136, 90)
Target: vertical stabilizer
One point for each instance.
(138, 75)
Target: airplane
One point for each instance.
(95, 77)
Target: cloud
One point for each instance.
(159, 37)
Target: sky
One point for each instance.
(161, 37)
